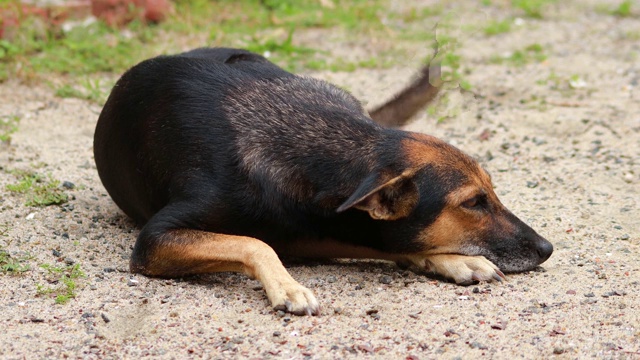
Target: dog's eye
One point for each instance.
(474, 203)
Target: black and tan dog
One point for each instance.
(229, 160)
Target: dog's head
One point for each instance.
(443, 202)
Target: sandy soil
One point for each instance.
(565, 158)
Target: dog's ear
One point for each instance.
(393, 199)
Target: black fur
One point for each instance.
(224, 141)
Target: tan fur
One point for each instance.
(192, 252)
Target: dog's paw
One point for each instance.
(464, 270)
(293, 298)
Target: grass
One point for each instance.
(531, 8)
(97, 48)
(8, 126)
(38, 190)
(531, 53)
(623, 10)
(498, 27)
(93, 90)
(65, 277)
(11, 265)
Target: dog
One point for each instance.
(229, 161)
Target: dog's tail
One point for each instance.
(404, 105)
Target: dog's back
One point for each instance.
(224, 108)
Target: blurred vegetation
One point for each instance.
(86, 57)
(262, 26)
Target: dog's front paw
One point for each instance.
(293, 298)
(464, 270)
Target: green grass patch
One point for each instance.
(531, 8)
(93, 90)
(94, 48)
(530, 54)
(64, 280)
(416, 14)
(8, 126)
(624, 9)
(38, 190)
(498, 27)
(11, 265)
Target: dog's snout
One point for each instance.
(544, 249)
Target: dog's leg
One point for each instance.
(463, 269)
(183, 251)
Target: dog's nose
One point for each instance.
(544, 250)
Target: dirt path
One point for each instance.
(560, 137)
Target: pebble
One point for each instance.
(386, 279)
(477, 345)
(372, 311)
(106, 317)
(133, 282)
(68, 185)
(331, 279)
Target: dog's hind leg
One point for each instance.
(178, 252)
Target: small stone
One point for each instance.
(277, 333)
(532, 184)
(372, 311)
(624, 237)
(56, 253)
(477, 345)
(133, 282)
(589, 294)
(68, 185)
(105, 317)
(558, 350)
(386, 279)
(331, 279)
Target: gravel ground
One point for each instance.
(561, 139)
